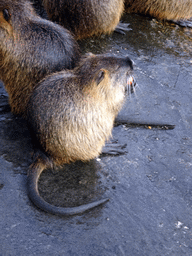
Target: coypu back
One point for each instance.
(85, 18)
(161, 9)
(71, 114)
(30, 49)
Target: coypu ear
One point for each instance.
(6, 15)
(100, 76)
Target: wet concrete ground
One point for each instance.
(150, 187)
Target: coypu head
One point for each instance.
(106, 78)
(12, 14)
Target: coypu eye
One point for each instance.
(6, 14)
(100, 76)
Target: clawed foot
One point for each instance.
(114, 148)
(184, 23)
(121, 28)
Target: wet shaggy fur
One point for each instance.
(71, 114)
(92, 17)
(85, 18)
(161, 9)
(30, 49)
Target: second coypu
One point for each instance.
(30, 49)
(71, 113)
(92, 17)
(37, 4)
(86, 18)
(174, 10)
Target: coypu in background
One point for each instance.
(173, 10)
(37, 4)
(92, 17)
(87, 18)
(30, 49)
(71, 114)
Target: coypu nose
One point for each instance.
(131, 83)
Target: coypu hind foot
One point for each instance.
(71, 114)
(30, 49)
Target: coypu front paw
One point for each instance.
(114, 148)
(121, 28)
(184, 23)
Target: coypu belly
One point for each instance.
(69, 145)
(70, 136)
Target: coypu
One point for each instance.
(87, 18)
(91, 17)
(38, 6)
(30, 49)
(173, 10)
(71, 114)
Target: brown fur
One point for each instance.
(85, 18)
(161, 9)
(30, 49)
(92, 17)
(71, 113)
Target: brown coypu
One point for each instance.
(71, 113)
(86, 18)
(38, 6)
(173, 10)
(92, 17)
(30, 49)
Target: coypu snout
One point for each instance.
(131, 83)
